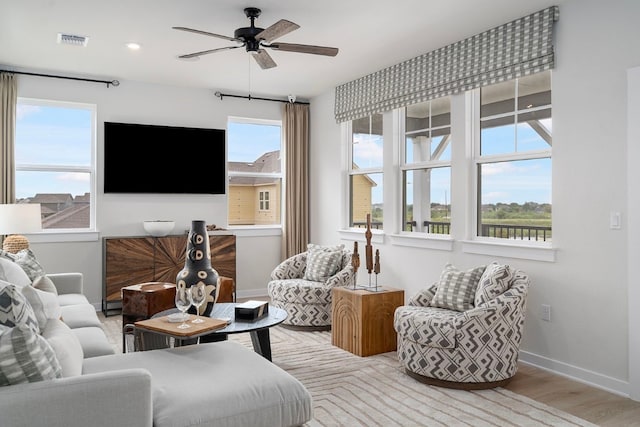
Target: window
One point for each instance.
(513, 159)
(426, 167)
(55, 161)
(365, 172)
(255, 172)
(264, 200)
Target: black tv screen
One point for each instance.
(141, 158)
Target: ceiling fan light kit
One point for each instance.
(255, 39)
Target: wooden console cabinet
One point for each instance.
(362, 321)
(132, 260)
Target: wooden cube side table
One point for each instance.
(140, 302)
(362, 321)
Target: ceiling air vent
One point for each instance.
(72, 39)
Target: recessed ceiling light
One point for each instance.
(133, 46)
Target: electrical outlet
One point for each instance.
(546, 312)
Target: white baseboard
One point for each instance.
(575, 373)
(252, 293)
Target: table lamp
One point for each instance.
(16, 219)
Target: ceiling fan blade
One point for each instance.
(305, 48)
(205, 33)
(263, 59)
(206, 52)
(277, 30)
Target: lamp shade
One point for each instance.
(20, 218)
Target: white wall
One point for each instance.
(596, 42)
(122, 215)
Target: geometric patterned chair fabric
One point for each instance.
(473, 349)
(307, 303)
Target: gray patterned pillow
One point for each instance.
(494, 281)
(26, 357)
(457, 289)
(27, 260)
(15, 310)
(322, 262)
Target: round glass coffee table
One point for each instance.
(258, 329)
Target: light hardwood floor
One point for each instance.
(592, 404)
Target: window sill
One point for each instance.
(256, 230)
(64, 236)
(534, 252)
(357, 234)
(442, 243)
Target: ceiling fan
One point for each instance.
(254, 39)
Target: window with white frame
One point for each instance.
(55, 161)
(255, 171)
(365, 172)
(264, 200)
(426, 167)
(513, 159)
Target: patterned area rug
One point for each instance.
(352, 391)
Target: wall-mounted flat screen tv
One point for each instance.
(140, 158)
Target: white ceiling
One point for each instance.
(371, 35)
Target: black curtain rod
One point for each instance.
(106, 82)
(249, 97)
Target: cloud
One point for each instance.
(23, 110)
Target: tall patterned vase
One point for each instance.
(197, 267)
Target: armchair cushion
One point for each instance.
(494, 281)
(457, 289)
(322, 262)
(26, 357)
(435, 327)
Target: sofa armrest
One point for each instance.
(291, 268)
(423, 297)
(67, 283)
(117, 398)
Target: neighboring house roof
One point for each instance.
(76, 216)
(267, 163)
(85, 198)
(52, 198)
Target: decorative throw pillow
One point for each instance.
(26, 357)
(15, 310)
(66, 346)
(322, 262)
(45, 305)
(457, 289)
(27, 260)
(494, 281)
(44, 283)
(8, 255)
(13, 273)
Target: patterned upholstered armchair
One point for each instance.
(471, 348)
(302, 284)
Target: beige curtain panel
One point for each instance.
(8, 100)
(296, 198)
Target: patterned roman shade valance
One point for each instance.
(520, 47)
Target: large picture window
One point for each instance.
(426, 168)
(513, 159)
(365, 172)
(55, 161)
(255, 172)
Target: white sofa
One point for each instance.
(216, 384)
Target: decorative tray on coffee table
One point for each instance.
(165, 326)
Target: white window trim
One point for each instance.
(70, 234)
